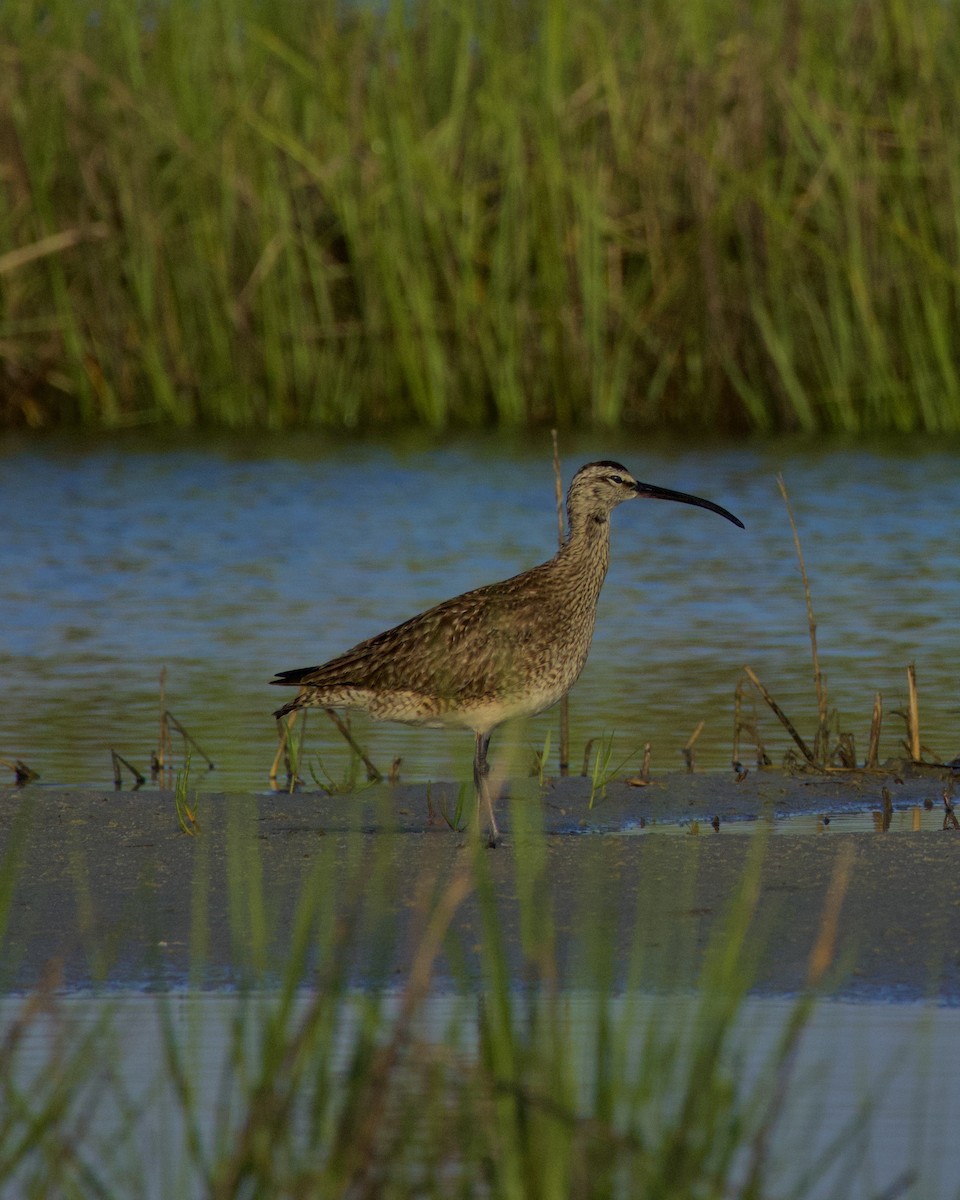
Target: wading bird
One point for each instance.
(506, 650)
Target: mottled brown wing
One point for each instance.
(462, 649)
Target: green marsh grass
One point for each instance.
(583, 214)
(604, 769)
(515, 1086)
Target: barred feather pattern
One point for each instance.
(508, 649)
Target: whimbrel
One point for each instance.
(506, 650)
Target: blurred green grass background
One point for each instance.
(707, 217)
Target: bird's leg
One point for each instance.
(480, 772)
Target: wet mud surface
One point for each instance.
(106, 890)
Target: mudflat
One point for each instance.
(106, 890)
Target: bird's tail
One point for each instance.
(292, 678)
(293, 705)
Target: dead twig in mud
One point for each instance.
(293, 762)
(781, 716)
(844, 754)
(119, 761)
(742, 725)
(162, 759)
(188, 738)
(22, 773)
(687, 750)
(820, 740)
(949, 816)
(643, 778)
(564, 747)
(164, 752)
(887, 810)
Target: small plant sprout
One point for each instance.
(454, 821)
(602, 772)
(600, 775)
(186, 816)
(541, 757)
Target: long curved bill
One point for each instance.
(649, 491)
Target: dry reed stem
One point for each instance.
(688, 748)
(913, 714)
(737, 722)
(780, 715)
(820, 741)
(740, 726)
(188, 738)
(164, 748)
(119, 761)
(373, 774)
(54, 243)
(564, 747)
(873, 749)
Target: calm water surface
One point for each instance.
(227, 561)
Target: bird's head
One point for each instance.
(599, 487)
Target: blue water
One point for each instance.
(225, 561)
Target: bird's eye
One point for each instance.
(616, 479)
